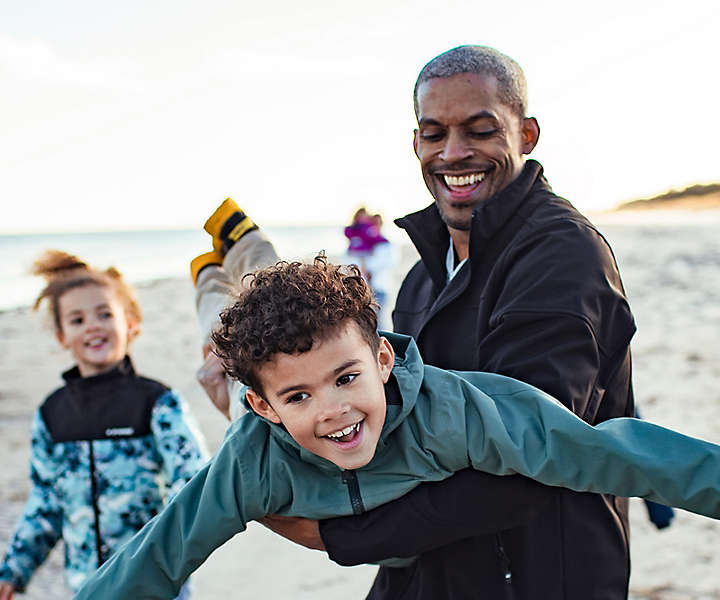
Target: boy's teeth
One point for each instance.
(344, 432)
(464, 179)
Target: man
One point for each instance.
(512, 280)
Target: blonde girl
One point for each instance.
(101, 443)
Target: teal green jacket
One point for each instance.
(438, 422)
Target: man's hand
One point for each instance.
(7, 590)
(211, 377)
(297, 529)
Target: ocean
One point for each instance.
(139, 255)
(665, 263)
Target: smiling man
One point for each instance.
(512, 280)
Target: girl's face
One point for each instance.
(94, 327)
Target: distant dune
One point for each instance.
(693, 198)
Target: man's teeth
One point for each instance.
(464, 179)
(343, 432)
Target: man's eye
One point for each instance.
(483, 134)
(299, 397)
(345, 379)
(431, 136)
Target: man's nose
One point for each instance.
(456, 147)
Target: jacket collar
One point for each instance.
(77, 383)
(429, 233)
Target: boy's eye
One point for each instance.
(299, 397)
(106, 314)
(76, 321)
(345, 379)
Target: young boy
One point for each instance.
(344, 420)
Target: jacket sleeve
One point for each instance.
(392, 530)
(178, 440)
(40, 525)
(515, 428)
(212, 507)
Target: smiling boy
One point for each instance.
(345, 420)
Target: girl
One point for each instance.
(100, 442)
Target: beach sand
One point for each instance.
(677, 380)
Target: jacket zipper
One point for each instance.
(96, 510)
(505, 565)
(349, 478)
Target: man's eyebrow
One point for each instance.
(483, 114)
(300, 386)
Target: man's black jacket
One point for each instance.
(539, 300)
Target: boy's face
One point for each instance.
(93, 326)
(330, 399)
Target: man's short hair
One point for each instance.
(287, 308)
(483, 60)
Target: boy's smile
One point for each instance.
(330, 399)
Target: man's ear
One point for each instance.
(530, 132)
(261, 406)
(386, 359)
(416, 134)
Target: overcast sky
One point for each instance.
(145, 114)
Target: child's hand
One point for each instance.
(305, 532)
(211, 377)
(7, 590)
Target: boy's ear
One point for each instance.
(386, 359)
(261, 406)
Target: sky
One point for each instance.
(141, 115)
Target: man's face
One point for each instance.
(330, 399)
(470, 144)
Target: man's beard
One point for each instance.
(460, 225)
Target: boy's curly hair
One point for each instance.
(288, 307)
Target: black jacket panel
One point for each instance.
(117, 403)
(539, 300)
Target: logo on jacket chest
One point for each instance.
(119, 431)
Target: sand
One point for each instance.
(677, 377)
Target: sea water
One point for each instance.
(140, 255)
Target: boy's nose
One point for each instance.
(333, 408)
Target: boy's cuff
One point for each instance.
(204, 260)
(227, 225)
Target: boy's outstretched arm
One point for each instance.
(512, 427)
(208, 511)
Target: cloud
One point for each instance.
(36, 61)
